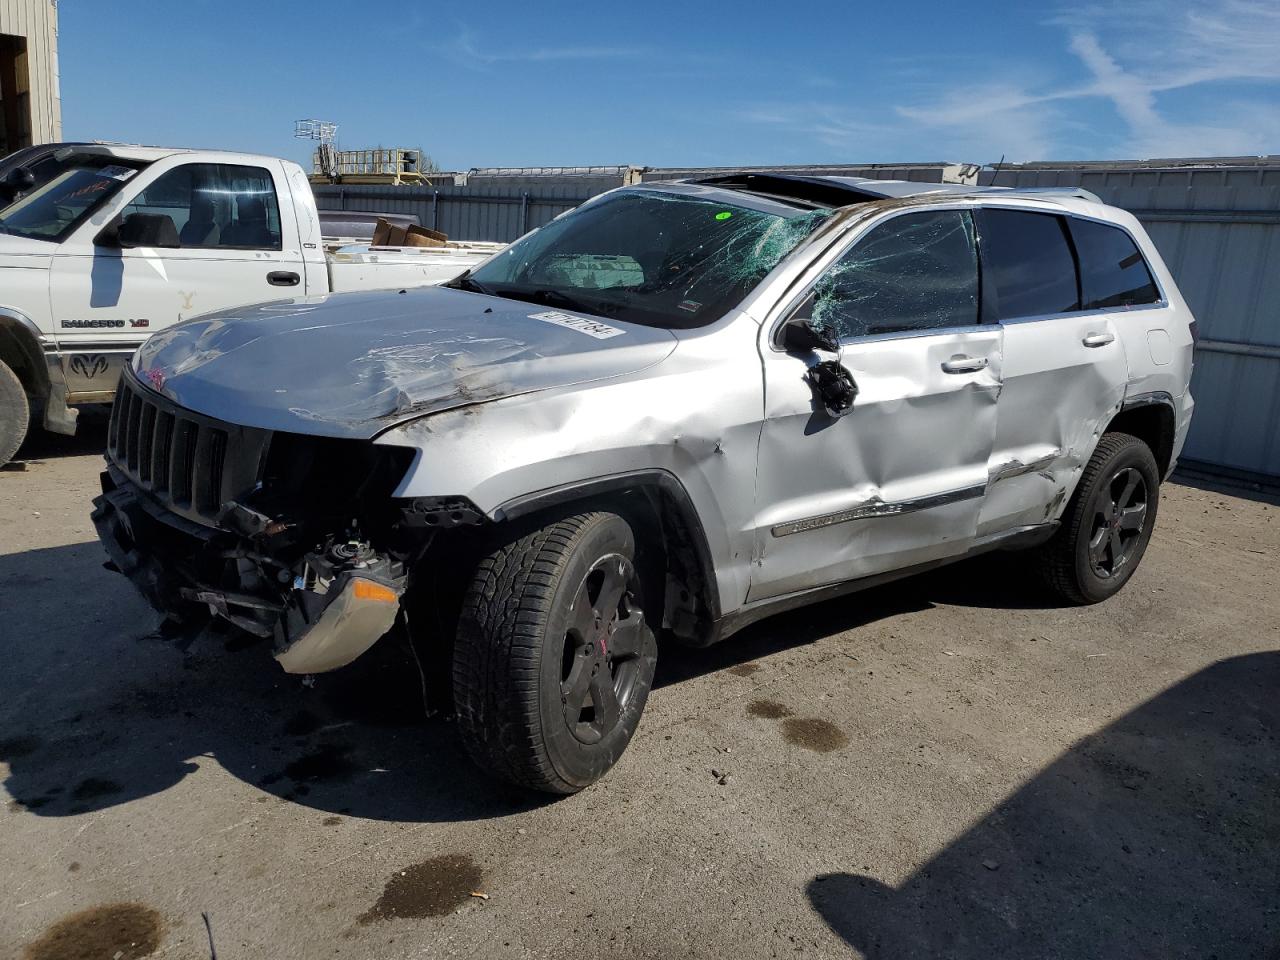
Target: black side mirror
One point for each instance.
(109, 236)
(144, 230)
(801, 334)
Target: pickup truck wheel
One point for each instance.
(1107, 525)
(554, 655)
(15, 414)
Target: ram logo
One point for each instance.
(88, 365)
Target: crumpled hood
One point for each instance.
(354, 364)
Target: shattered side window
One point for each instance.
(663, 259)
(918, 271)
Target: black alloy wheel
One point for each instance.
(602, 648)
(1119, 520)
(1107, 524)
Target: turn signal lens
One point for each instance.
(368, 590)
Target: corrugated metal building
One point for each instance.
(30, 106)
(1216, 222)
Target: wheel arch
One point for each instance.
(664, 519)
(1152, 418)
(22, 351)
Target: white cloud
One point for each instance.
(467, 49)
(1130, 60)
(833, 125)
(1236, 42)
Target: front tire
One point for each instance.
(15, 413)
(554, 655)
(1107, 524)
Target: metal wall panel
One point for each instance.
(37, 20)
(462, 212)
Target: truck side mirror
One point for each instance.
(802, 334)
(109, 236)
(17, 182)
(142, 230)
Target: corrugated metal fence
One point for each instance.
(501, 208)
(1217, 226)
(466, 212)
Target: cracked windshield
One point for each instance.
(657, 259)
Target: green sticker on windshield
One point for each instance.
(723, 215)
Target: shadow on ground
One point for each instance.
(97, 711)
(1155, 837)
(90, 437)
(1265, 490)
(993, 580)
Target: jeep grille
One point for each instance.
(191, 464)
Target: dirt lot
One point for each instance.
(945, 767)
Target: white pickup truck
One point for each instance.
(102, 245)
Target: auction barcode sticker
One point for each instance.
(592, 328)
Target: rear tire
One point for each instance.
(1107, 524)
(554, 655)
(15, 413)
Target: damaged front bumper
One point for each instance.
(322, 607)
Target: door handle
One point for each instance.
(283, 278)
(961, 364)
(1098, 339)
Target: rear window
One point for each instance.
(1027, 262)
(1112, 270)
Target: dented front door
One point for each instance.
(900, 479)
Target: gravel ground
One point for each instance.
(950, 766)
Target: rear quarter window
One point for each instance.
(1027, 261)
(1113, 272)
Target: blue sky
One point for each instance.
(521, 84)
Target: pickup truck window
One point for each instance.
(67, 189)
(661, 259)
(1112, 271)
(215, 206)
(1028, 262)
(918, 271)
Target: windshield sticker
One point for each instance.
(724, 214)
(117, 173)
(592, 328)
(692, 306)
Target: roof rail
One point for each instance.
(1080, 192)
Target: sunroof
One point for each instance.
(814, 190)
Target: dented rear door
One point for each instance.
(899, 480)
(1064, 368)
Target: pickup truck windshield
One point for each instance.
(661, 259)
(67, 189)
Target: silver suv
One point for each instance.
(672, 411)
